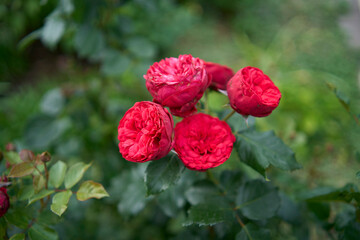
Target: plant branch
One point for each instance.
(229, 115)
(242, 225)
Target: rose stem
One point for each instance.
(229, 115)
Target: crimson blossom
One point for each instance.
(203, 141)
(251, 92)
(177, 83)
(145, 132)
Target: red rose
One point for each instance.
(253, 93)
(177, 83)
(4, 201)
(203, 142)
(219, 75)
(145, 132)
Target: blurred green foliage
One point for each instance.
(75, 113)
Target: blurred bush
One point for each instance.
(75, 113)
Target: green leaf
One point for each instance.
(21, 169)
(141, 47)
(39, 232)
(128, 191)
(202, 192)
(75, 173)
(358, 175)
(320, 209)
(343, 99)
(114, 63)
(89, 41)
(57, 174)
(18, 236)
(260, 149)
(208, 214)
(12, 157)
(3, 227)
(52, 31)
(258, 200)
(254, 231)
(18, 217)
(28, 39)
(41, 131)
(60, 201)
(38, 183)
(288, 210)
(231, 181)
(25, 192)
(52, 102)
(162, 173)
(40, 195)
(90, 189)
(344, 194)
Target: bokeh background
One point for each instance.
(70, 69)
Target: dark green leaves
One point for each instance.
(89, 41)
(208, 214)
(259, 150)
(39, 232)
(18, 236)
(257, 200)
(253, 232)
(344, 194)
(114, 63)
(162, 173)
(42, 130)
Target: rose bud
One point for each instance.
(177, 83)
(145, 132)
(202, 141)
(4, 201)
(251, 92)
(27, 155)
(10, 147)
(45, 157)
(219, 75)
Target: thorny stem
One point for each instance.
(229, 115)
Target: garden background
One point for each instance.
(70, 69)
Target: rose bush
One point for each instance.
(219, 75)
(203, 141)
(251, 92)
(145, 132)
(177, 83)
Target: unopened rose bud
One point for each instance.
(4, 201)
(45, 157)
(10, 147)
(27, 155)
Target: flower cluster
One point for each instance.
(146, 132)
